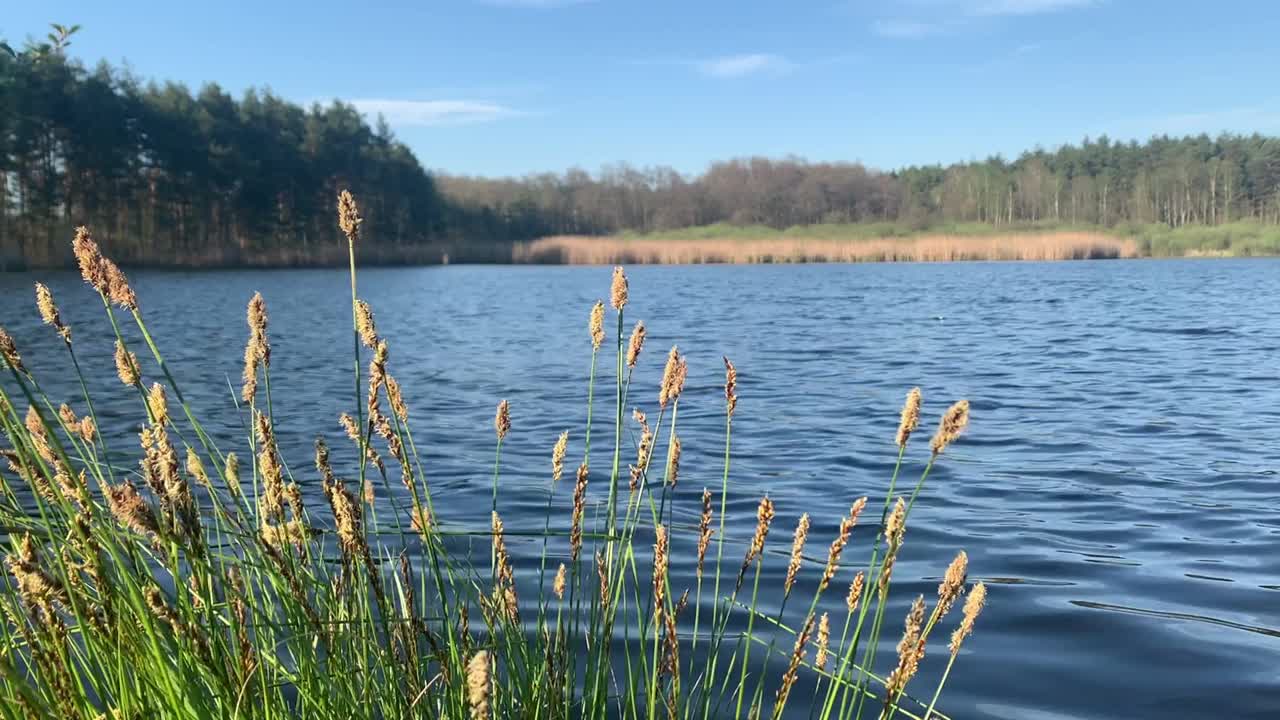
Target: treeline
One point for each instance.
(167, 176)
(1174, 181)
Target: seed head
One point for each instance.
(89, 258)
(596, 325)
(126, 365)
(579, 507)
(730, 386)
(67, 415)
(195, 468)
(643, 451)
(130, 510)
(847, 524)
(797, 551)
(673, 460)
(704, 529)
(602, 572)
(397, 399)
(558, 585)
(952, 585)
(910, 652)
(502, 420)
(232, 474)
(557, 456)
(9, 352)
(824, 640)
(793, 667)
(365, 326)
(894, 529)
(118, 288)
(972, 608)
(618, 289)
(506, 574)
(478, 685)
(855, 592)
(292, 532)
(88, 429)
(349, 217)
(158, 404)
(953, 423)
(49, 311)
(910, 417)
(764, 516)
(661, 559)
(673, 377)
(257, 351)
(636, 345)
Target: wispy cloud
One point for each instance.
(1027, 7)
(906, 28)
(427, 113)
(733, 66)
(535, 4)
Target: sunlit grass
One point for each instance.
(196, 583)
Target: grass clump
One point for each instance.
(199, 584)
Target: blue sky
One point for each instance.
(500, 87)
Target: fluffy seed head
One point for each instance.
(365, 325)
(397, 399)
(557, 456)
(824, 641)
(797, 552)
(118, 288)
(847, 524)
(195, 468)
(855, 592)
(636, 345)
(579, 507)
(349, 217)
(910, 652)
(502, 420)
(673, 460)
(952, 585)
(88, 429)
(618, 289)
(49, 311)
(478, 685)
(158, 403)
(9, 352)
(89, 258)
(232, 473)
(793, 667)
(130, 510)
(673, 376)
(953, 423)
(910, 417)
(126, 365)
(596, 325)
(67, 415)
(558, 585)
(972, 608)
(661, 559)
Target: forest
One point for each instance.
(168, 176)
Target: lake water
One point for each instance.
(1117, 489)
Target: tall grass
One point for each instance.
(755, 247)
(198, 583)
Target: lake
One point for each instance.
(1117, 488)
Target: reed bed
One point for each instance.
(1063, 245)
(195, 582)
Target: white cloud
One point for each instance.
(905, 28)
(1027, 7)
(423, 113)
(732, 66)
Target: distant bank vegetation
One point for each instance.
(172, 176)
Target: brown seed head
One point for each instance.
(506, 574)
(673, 460)
(953, 423)
(557, 456)
(972, 608)
(88, 429)
(704, 529)
(797, 553)
(661, 560)
(793, 667)
(365, 325)
(49, 311)
(618, 289)
(232, 474)
(602, 572)
(596, 325)
(195, 468)
(89, 258)
(636, 345)
(847, 524)
(118, 288)
(643, 451)
(952, 585)
(579, 508)
(558, 585)
(130, 510)
(824, 641)
(67, 415)
(910, 417)
(910, 652)
(894, 530)
(126, 365)
(349, 217)
(292, 532)
(502, 420)
(35, 586)
(478, 685)
(672, 378)
(397, 399)
(730, 386)
(855, 591)
(158, 403)
(9, 351)
(39, 437)
(764, 516)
